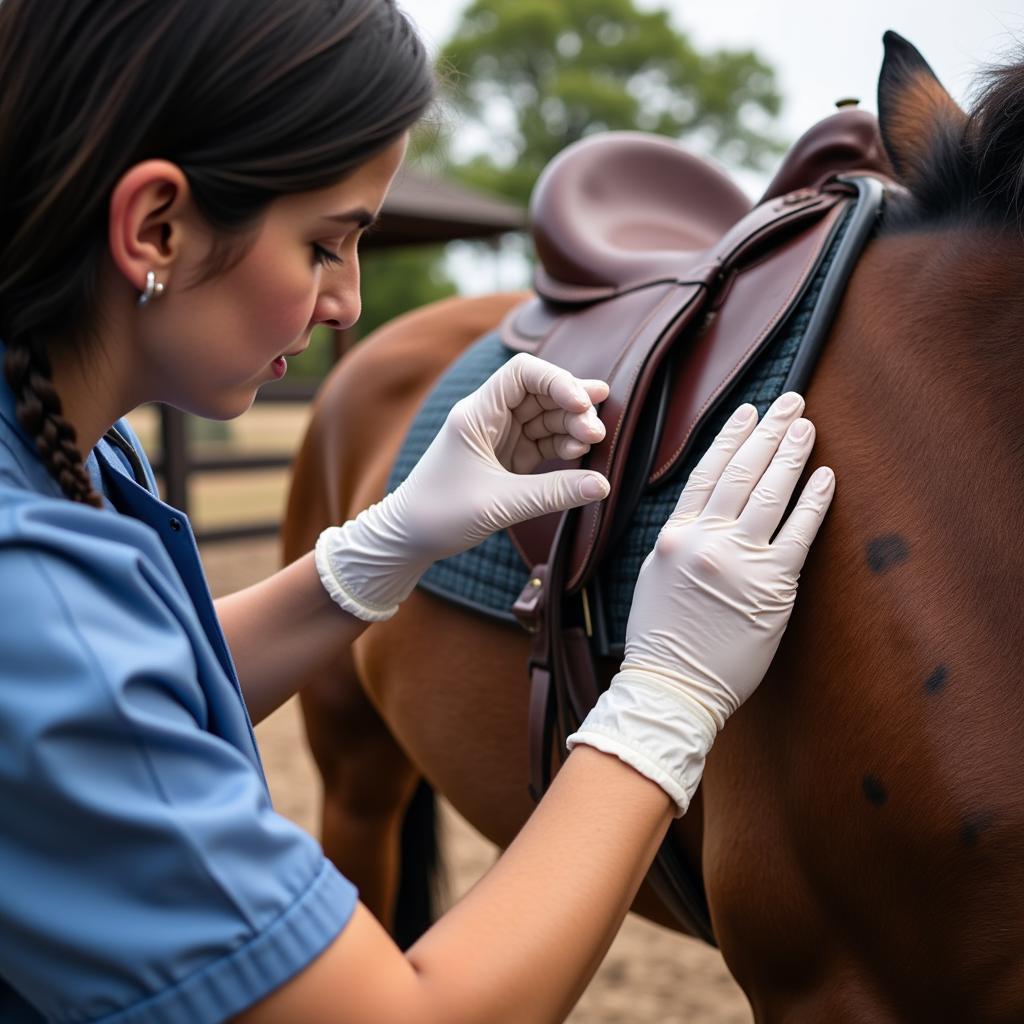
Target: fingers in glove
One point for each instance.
(532, 495)
(525, 375)
(747, 466)
(801, 527)
(708, 471)
(763, 512)
(560, 446)
(532, 406)
(585, 426)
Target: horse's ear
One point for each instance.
(914, 110)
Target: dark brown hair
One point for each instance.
(252, 99)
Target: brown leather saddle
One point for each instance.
(656, 275)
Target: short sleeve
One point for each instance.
(145, 874)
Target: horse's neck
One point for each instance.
(933, 338)
(919, 400)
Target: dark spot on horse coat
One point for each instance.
(884, 553)
(974, 825)
(937, 680)
(874, 790)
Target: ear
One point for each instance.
(913, 109)
(148, 208)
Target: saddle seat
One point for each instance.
(619, 209)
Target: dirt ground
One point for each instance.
(650, 976)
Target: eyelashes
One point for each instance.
(325, 257)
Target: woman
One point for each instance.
(184, 184)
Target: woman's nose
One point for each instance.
(339, 321)
(339, 304)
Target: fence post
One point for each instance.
(342, 341)
(174, 456)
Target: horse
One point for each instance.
(859, 830)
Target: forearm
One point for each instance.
(282, 630)
(524, 943)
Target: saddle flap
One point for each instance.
(746, 313)
(625, 338)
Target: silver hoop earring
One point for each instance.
(154, 289)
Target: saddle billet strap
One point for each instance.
(542, 617)
(530, 610)
(563, 687)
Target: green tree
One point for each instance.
(532, 76)
(537, 75)
(402, 279)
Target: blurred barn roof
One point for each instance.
(420, 209)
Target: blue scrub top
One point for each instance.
(144, 874)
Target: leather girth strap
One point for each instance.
(690, 343)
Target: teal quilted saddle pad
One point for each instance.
(489, 577)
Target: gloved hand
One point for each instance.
(712, 599)
(474, 479)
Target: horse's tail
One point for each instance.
(421, 885)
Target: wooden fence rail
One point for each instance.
(177, 466)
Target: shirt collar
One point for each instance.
(7, 404)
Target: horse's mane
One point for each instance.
(974, 173)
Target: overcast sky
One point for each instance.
(820, 52)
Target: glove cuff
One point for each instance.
(663, 735)
(361, 569)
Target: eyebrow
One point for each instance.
(359, 214)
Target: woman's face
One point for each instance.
(207, 349)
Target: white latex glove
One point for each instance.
(475, 479)
(712, 599)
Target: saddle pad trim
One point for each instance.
(867, 207)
